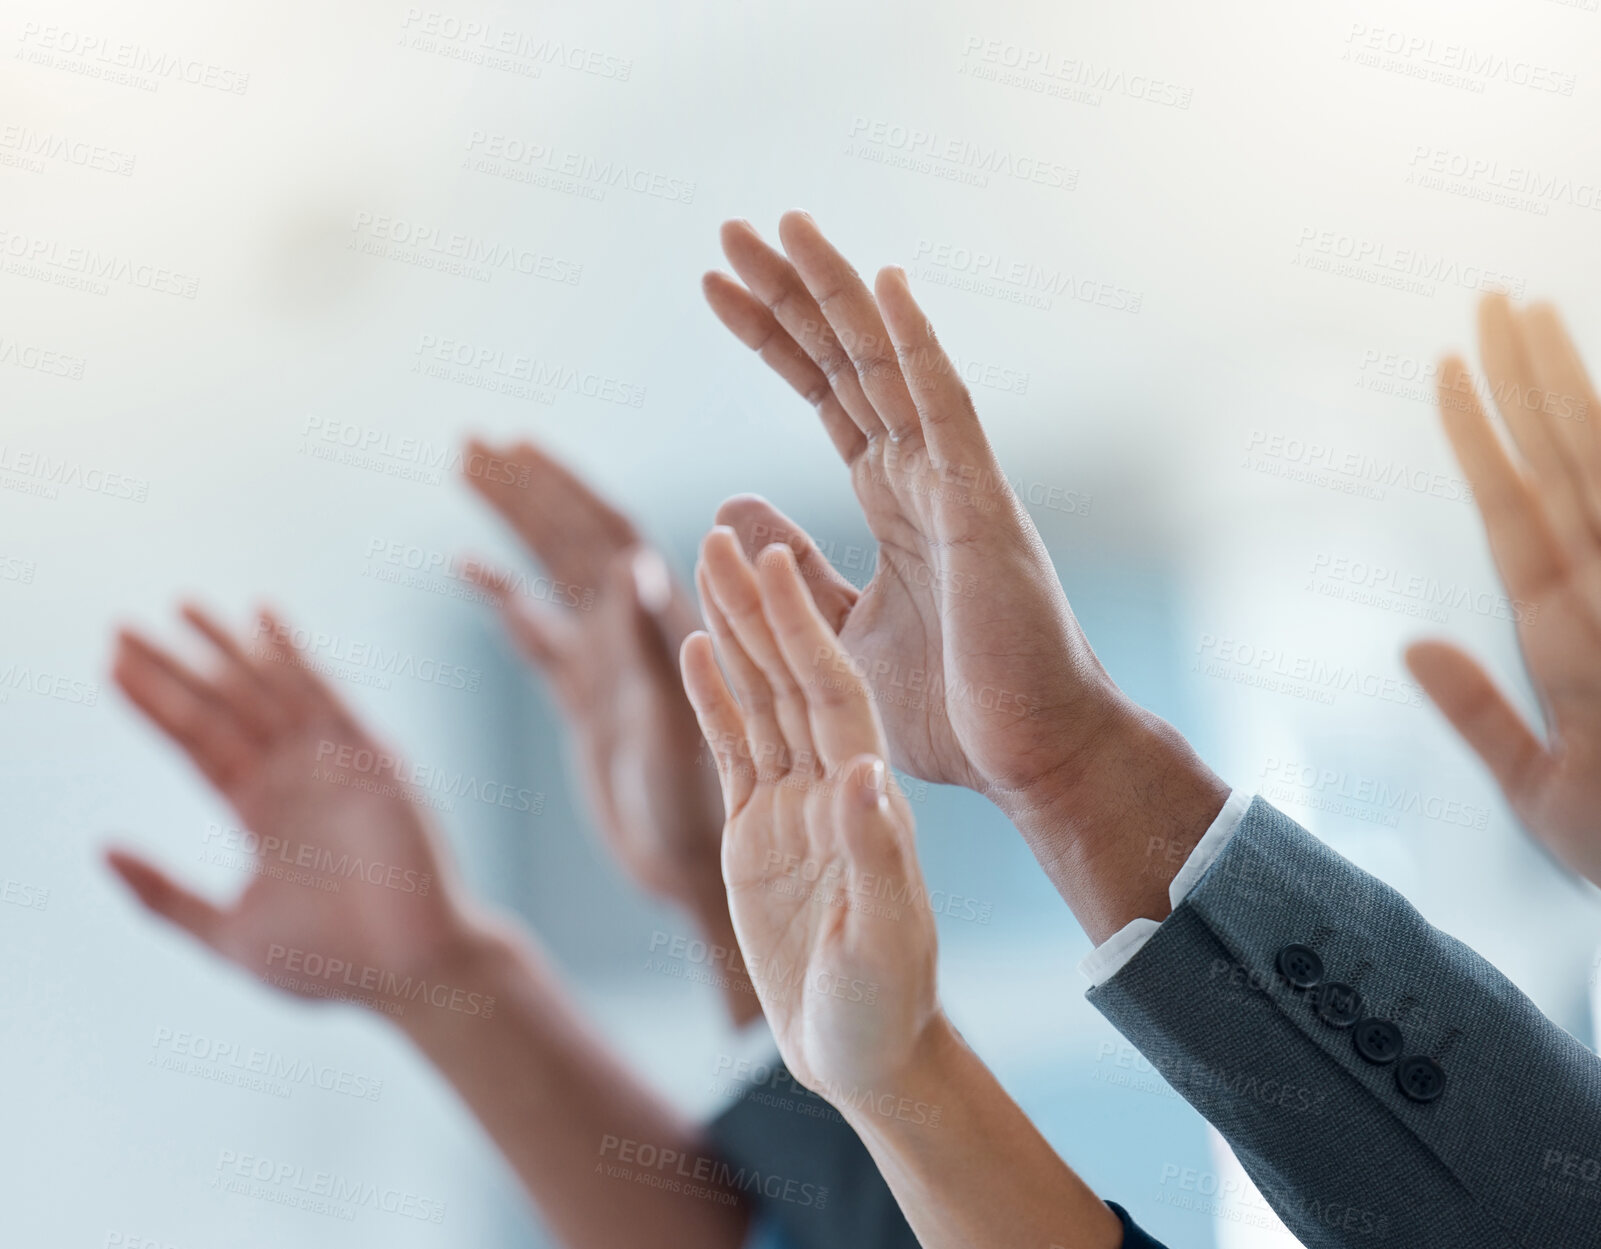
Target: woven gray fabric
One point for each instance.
(1508, 1155)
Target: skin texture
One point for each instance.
(1540, 500)
(301, 774)
(802, 788)
(977, 666)
(606, 638)
(814, 835)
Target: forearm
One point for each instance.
(1112, 827)
(607, 1162)
(965, 1163)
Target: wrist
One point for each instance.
(913, 1095)
(965, 1162)
(460, 980)
(1114, 823)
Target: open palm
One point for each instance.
(823, 884)
(606, 636)
(1542, 514)
(976, 662)
(346, 896)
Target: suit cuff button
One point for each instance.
(1377, 1040)
(1421, 1079)
(1300, 965)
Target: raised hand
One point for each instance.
(352, 893)
(977, 665)
(999, 689)
(607, 638)
(816, 839)
(831, 913)
(1542, 513)
(354, 899)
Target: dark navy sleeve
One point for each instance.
(1133, 1238)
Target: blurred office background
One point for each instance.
(1196, 260)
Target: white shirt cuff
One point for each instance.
(1110, 957)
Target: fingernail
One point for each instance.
(652, 583)
(873, 785)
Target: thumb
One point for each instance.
(657, 623)
(867, 827)
(1479, 711)
(758, 524)
(537, 633)
(167, 898)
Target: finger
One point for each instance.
(162, 895)
(1479, 711)
(284, 664)
(753, 323)
(572, 530)
(185, 708)
(873, 841)
(1521, 542)
(764, 740)
(838, 704)
(537, 633)
(854, 317)
(657, 617)
(540, 633)
(951, 428)
(1569, 402)
(772, 279)
(758, 524)
(719, 717)
(252, 700)
(733, 585)
(1516, 391)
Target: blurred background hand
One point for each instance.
(352, 893)
(604, 629)
(1541, 504)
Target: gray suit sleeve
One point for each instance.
(1412, 1096)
